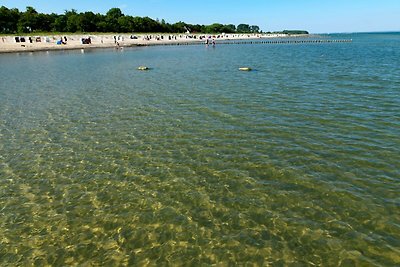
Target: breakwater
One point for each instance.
(239, 42)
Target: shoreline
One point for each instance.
(32, 43)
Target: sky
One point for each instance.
(315, 16)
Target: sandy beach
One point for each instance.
(31, 43)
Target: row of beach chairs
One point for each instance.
(38, 39)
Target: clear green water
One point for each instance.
(196, 163)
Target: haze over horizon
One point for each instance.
(314, 16)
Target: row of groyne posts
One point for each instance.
(238, 42)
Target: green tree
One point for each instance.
(150, 25)
(60, 23)
(254, 28)
(112, 17)
(165, 27)
(88, 21)
(28, 20)
(101, 24)
(230, 28)
(197, 28)
(179, 27)
(73, 21)
(243, 28)
(44, 22)
(126, 23)
(9, 20)
(214, 28)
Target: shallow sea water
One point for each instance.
(195, 163)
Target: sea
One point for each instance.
(195, 163)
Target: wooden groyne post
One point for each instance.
(238, 42)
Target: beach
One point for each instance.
(31, 43)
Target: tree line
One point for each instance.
(14, 21)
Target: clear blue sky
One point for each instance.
(316, 16)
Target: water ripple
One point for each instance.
(195, 163)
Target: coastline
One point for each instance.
(33, 43)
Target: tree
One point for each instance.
(60, 23)
(214, 28)
(28, 20)
(230, 28)
(126, 23)
(150, 25)
(197, 28)
(9, 20)
(254, 28)
(101, 24)
(73, 21)
(88, 22)
(112, 17)
(179, 27)
(12, 20)
(44, 22)
(243, 28)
